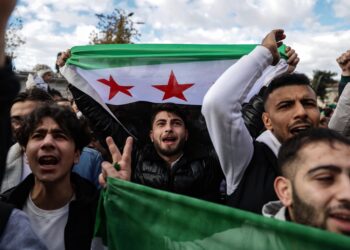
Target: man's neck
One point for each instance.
(50, 196)
(171, 159)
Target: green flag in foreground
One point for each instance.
(132, 216)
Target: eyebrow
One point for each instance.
(332, 168)
(53, 131)
(303, 99)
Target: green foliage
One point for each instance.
(321, 80)
(116, 27)
(13, 39)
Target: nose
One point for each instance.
(343, 192)
(168, 127)
(48, 141)
(300, 111)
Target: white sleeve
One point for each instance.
(340, 120)
(222, 107)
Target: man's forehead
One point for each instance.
(324, 153)
(47, 123)
(23, 108)
(294, 89)
(291, 92)
(166, 115)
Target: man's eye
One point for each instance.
(284, 106)
(325, 178)
(178, 123)
(37, 136)
(60, 136)
(310, 104)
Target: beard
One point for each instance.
(169, 151)
(307, 214)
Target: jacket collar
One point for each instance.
(275, 209)
(84, 190)
(270, 140)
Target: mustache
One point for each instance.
(343, 206)
(301, 121)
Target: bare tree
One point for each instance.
(12, 37)
(116, 27)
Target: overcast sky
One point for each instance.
(318, 30)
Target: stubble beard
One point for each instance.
(307, 214)
(170, 151)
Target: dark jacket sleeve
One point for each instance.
(252, 114)
(9, 87)
(101, 122)
(343, 81)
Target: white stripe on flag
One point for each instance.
(201, 74)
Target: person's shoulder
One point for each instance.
(89, 154)
(83, 186)
(90, 151)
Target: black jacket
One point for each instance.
(197, 174)
(256, 187)
(9, 87)
(79, 229)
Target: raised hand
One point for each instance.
(121, 166)
(293, 59)
(344, 63)
(6, 8)
(61, 60)
(272, 41)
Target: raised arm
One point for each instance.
(102, 123)
(340, 120)
(344, 64)
(222, 108)
(121, 166)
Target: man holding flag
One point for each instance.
(172, 161)
(290, 107)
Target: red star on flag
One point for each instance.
(173, 88)
(115, 87)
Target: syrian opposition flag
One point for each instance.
(131, 216)
(121, 74)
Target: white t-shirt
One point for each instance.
(49, 225)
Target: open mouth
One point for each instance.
(48, 160)
(169, 139)
(300, 128)
(342, 221)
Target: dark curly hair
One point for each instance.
(66, 120)
(171, 108)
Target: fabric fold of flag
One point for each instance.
(126, 79)
(177, 73)
(131, 216)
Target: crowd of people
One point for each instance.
(269, 155)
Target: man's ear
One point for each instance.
(186, 135)
(76, 156)
(283, 189)
(151, 135)
(266, 120)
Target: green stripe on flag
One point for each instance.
(132, 216)
(120, 55)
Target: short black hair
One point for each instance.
(285, 80)
(289, 150)
(65, 118)
(54, 92)
(33, 94)
(171, 108)
(63, 99)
